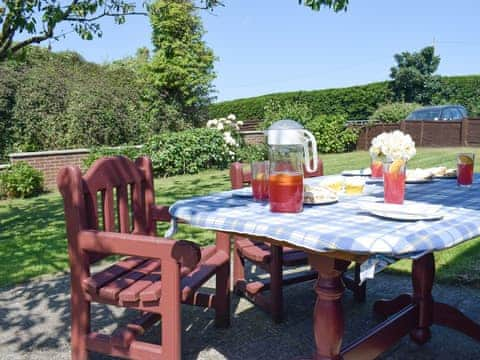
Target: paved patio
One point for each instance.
(34, 322)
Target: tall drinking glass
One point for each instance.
(260, 180)
(376, 167)
(394, 181)
(465, 163)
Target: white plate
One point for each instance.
(449, 177)
(405, 212)
(245, 192)
(418, 181)
(362, 172)
(322, 202)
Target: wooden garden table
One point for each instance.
(335, 235)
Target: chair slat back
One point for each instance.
(105, 178)
(116, 195)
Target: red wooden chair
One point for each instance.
(272, 259)
(111, 210)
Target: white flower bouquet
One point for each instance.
(393, 146)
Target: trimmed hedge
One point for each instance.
(462, 90)
(356, 102)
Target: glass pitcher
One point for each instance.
(288, 151)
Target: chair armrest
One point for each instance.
(160, 213)
(184, 252)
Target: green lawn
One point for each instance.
(32, 237)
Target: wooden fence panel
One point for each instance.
(472, 132)
(464, 132)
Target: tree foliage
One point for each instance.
(181, 72)
(413, 79)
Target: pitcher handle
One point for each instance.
(313, 142)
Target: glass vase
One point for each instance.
(394, 174)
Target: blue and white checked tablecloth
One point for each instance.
(343, 225)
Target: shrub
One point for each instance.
(393, 112)
(276, 110)
(130, 152)
(331, 133)
(188, 151)
(249, 153)
(20, 180)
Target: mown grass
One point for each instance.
(32, 235)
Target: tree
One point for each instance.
(39, 19)
(413, 79)
(180, 72)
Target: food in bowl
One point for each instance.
(334, 183)
(354, 185)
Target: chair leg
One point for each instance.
(222, 286)
(238, 268)
(171, 314)
(276, 274)
(80, 313)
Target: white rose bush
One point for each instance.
(230, 127)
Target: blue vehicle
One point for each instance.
(439, 113)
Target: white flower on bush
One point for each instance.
(229, 126)
(212, 123)
(393, 146)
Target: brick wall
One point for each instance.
(253, 137)
(50, 162)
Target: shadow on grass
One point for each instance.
(32, 238)
(458, 265)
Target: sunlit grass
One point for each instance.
(32, 235)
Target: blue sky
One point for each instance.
(267, 46)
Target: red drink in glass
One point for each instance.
(260, 188)
(465, 169)
(464, 174)
(286, 192)
(377, 169)
(260, 180)
(394, 187)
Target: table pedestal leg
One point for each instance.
(428, 311)
(328, 323)
(423, 273)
